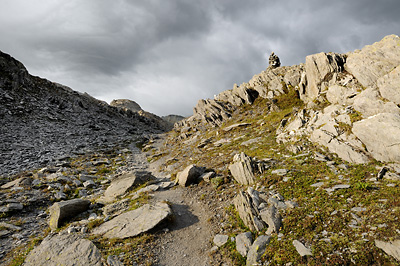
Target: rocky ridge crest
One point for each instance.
(350, 102)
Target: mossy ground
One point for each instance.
(324, 220)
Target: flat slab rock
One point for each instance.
(66, 250)
(133, 223)
(124, 184)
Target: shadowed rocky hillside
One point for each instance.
(43, 121)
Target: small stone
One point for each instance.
(60, 195)
(243, 243)
(71, 230)
(257, 249)
(92, 216)
(220, 240)
(358, 209)
(301, 249)
(207, 176)
(279, 172)
(89, 184)
(14, 207)
(10, 226)
(113, 260)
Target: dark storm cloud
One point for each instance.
(168, 54)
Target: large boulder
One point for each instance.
(381, 136)
(389, 86)
(242, 169)
(133, 223)
(190, 175)
(369, 103)
(125, 183)
(319, 70)
(60, 211)
(66, 250)
(374, 61)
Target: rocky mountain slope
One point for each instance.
(299, 166)
(43, 121)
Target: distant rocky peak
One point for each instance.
(126, 104)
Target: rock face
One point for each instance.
(124, 184)
(43, 121)
(361, 120)
(60, 211)
(374, 61)
(380, 134)
(242, 169)
(65, 250)
(133, 223)
(320, 69)
(389, 86)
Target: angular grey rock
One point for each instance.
(207, 176)
(189, 175)
(10, 226)
(301, 249)
(381, 136)
(133, 223)
(14, 207)
(374, 61)
(389, 86)
(23, 181)
(337, 94)
(229, 128)
(369, 102)
(242, 169)
(60, 211)
(89, 184)
(257, 249)
(247, 212)
(319, 69)
(66, 250)
(391, 247)
(124, 184)
(279, 172)
(272, 218)
(113, 260)
(243, 243)
(220, 240)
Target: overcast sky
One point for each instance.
(168, 54)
